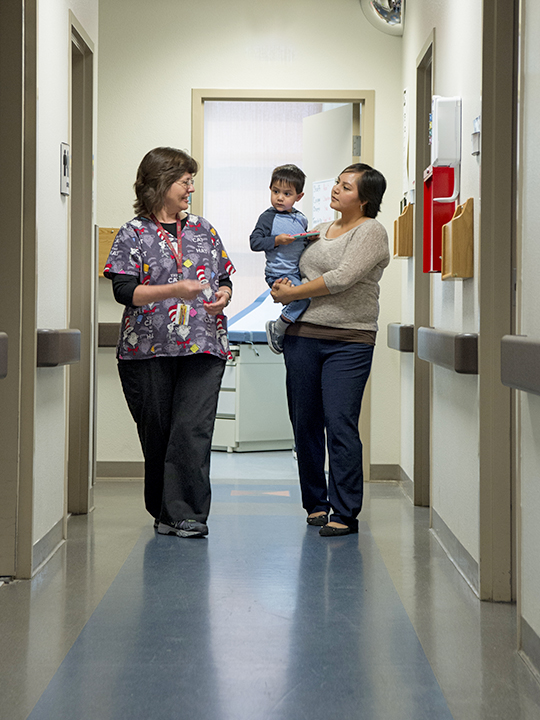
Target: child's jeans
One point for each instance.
(293, 310)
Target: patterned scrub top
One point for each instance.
(171, 327)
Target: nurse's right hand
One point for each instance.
(187, 289)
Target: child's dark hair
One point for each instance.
(371, 187)
(290, 175)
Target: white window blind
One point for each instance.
(243, 143)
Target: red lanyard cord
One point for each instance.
(164, 235)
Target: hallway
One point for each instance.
(264, 620)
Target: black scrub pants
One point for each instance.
(325, 385)
(173, 401)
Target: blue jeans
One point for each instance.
(325, 385)
(293, 310)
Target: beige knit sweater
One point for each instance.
(351, 266)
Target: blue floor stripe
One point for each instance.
(264, 620)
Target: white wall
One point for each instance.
(528, 317)
(455, 430)
(407, 360)
(54, 53)
(149, 64)
(117, 439)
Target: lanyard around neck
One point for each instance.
(164, 235)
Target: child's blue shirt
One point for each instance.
(283, 259)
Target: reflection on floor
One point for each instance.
(264, 620)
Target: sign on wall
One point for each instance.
(65, 167)
(322, 193)
(406, 183)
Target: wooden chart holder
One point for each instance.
(403, 233)
(457, 244)
(106, 237)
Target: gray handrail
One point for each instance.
(108, 334)
(58, 347)
(455, 351)
(400, 337)
(520, 363)
(3, 355)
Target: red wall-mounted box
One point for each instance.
(438, 183)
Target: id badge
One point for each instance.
(182, 314)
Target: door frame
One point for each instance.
(497, 245)
(18, 92)
(199, 96)
(422, 281)
(366, 98)
(80, 441)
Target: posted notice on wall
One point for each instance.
(406, 183)
(322, 193)
(65, 164)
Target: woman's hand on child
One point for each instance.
(284, 239)
(281, 291)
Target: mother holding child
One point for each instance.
(328, 352)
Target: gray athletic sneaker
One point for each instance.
(184, 528)
(273, 338)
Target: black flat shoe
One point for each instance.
(329, 531)
(318, 520)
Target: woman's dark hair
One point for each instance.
(371, 187)
(158, 170)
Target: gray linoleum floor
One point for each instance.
(264, 620)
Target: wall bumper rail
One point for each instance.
(58, 347)
(455, 351)
(108, 334)
(3, 355)
(520, 363)
(400, 337)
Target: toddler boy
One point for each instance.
(275, 234)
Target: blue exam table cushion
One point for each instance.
(248, 326)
